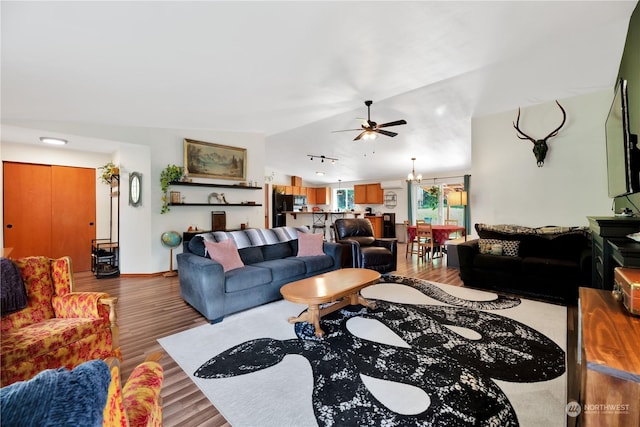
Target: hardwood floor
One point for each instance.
(151, 307)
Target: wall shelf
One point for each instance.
(203, 184)
(213, 204)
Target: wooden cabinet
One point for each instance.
(376, 224)
(311, 196)
(368, 194)
(610, 361)
(323, 196)
(296, 181)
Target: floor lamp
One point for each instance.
(458, 198)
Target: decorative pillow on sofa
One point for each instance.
(196, 246)
(224, 252)
(499, 247)
(310, 244)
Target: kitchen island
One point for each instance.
(310, 218)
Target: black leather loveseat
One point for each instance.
(548, 263)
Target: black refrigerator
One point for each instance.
(281, 203)
(388, 225)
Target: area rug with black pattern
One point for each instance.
(429, 354)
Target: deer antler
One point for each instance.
(516, 125)
(564, 119)
(524, 135)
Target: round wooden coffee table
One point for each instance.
(344, 285)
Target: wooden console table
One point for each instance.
(610, 361)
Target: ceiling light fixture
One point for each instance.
(320, 173)
(53, 141)
(369, 135)
(339, 192)
(412, 177)
(322, 158)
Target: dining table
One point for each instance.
(441, 233)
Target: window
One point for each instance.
(343, 199)
(430, 202)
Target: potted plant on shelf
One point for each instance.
(108, 172)
(168, 175)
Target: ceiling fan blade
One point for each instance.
(345, 130)
(360, 135)
(386, 132)
(396, 123)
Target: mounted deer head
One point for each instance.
(540, 146)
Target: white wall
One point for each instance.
(508, 187)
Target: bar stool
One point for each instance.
(319, 223)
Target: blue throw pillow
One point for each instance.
(276, 251)
(196, 245)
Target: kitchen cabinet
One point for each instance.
(376, 224)
(311, 196)
(323, 196)
(368, 194)
(296, 181)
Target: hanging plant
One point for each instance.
(167, 176)
(433, 194)
(108, 172)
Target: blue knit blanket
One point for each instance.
(13, 295)
(58, 397)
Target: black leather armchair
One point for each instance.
(366, 251)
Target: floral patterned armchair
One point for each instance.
(59, 327)
(138, 402)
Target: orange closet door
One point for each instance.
(27, 209)
(50, 211)
(73, 214)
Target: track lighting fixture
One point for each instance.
(322, 158)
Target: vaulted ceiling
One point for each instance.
(297, 71)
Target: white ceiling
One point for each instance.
(296, 71)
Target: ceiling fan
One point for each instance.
(369, 129)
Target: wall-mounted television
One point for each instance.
(623, 154)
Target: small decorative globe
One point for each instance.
(170, 239)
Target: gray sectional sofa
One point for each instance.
(270, 261)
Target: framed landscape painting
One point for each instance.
(207, 160)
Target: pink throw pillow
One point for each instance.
(224, 252)
(309, 244)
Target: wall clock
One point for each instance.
(135, 189)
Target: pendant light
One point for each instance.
(412, 177)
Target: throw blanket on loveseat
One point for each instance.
(549, 262)
(13, 294)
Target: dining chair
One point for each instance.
(425, 241)
(411, 240)
(450, 222)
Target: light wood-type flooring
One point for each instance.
(151, 307)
